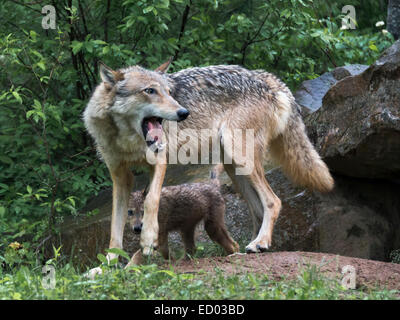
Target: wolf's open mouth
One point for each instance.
(152, 130)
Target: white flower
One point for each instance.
(379, 24)
(384, 31)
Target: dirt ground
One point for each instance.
(369, 273)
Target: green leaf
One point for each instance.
(17, 96)
(76, 46)
(30, 113)
(102, 258)
(37, 105)
(168, 272)
(6, 159)
(41, 65)
(373, 47)
(148, 9)
(99, 42)
(89, 46)
(106, 50)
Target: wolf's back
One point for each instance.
(300, 161)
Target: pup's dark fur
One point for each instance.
(181, 209)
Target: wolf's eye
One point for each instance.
(130, 212)
(150, 91)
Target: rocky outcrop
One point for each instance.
(357, 131)
(310, 93)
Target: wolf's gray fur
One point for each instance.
(221, 98)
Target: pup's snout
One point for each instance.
(138, 228)
(182, 114)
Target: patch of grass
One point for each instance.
(151, 282)
(154, 282)
(21, 277)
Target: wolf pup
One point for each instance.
(127, 113)
(181, 209)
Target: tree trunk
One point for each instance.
(393, 18)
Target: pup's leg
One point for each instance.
(149, 235)
(188, 240)
(163, 244)
(136, 259)
(122, 179)
(215, 227)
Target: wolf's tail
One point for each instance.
(300, 161)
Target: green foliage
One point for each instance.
(152, 282)
(48, 164)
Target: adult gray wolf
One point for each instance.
(129, 109)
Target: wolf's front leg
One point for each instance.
(149, 235)
(122, 179)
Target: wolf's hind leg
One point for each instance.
(263, 203)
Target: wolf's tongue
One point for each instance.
(154, 129)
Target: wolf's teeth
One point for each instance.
(160, 146)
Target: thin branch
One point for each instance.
(26, 5)
(106, 21)
(253, 39)
(75, 170)
(182, 30)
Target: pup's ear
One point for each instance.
(108, 75)
(164, 67)
(145, 190)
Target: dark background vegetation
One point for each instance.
(48, 165)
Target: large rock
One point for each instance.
(357, 131)
(310, 93)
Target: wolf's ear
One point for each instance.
(164, 67)
(108, 75)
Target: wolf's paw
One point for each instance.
(148, 242)
(148, 251)
(93, 272)
(257, 246)
(111, 256)
(236, 247)
(236, 254)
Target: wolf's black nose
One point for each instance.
(182, 114)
